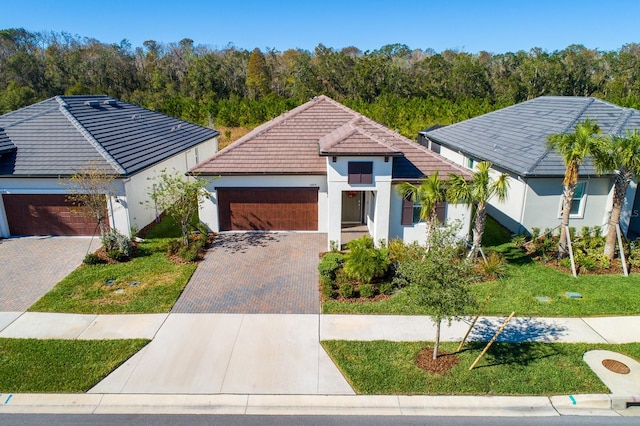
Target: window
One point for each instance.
(578, 202)
(470, 162)
(360, 172)
(411, 212)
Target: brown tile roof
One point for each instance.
(297, 141)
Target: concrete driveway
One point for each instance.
(257, 273)
(31, 266)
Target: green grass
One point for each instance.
(517, 291)
(383, 367)
(84, 291)
(168, 228)
(494, 233)
(41, 366)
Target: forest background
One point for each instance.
(403, 88)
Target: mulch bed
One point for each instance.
(439, 366)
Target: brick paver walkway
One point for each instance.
(253, 273)
(31, 266)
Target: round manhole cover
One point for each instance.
(615, 366)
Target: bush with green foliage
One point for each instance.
(330, 264)
(386, 288)
(117, 255)
(92, 259)
(190, 252)
(363, 262)
(366, 290)
(113, 240)
(346, 290)
(535, 233)
(495, 266)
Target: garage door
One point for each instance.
(45, 214)
(268, 209)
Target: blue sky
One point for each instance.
(471, 26)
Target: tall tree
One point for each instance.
(574, 148)
(478, 191)
(428, 194)
(622, 155)
(257, 75)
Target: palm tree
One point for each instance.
(428, 194)
(622, 154)
(574, 148)
(478, 191)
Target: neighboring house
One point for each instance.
(42, 145)
(514, 139)
(322, 167)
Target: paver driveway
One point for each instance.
(31, 266)
(257, 273)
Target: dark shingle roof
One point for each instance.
(60, 135)
(514, 138)
(296, 143)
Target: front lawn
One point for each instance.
(525, 280)
(56, 366)
(149, 283)
(388, 368)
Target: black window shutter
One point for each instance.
(407, 212)
(366, 172)
(441, 209)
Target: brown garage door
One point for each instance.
(45, 214)
(268, 209)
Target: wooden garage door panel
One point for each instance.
(269, 209)
(45, 214)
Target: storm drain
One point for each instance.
(615, 366)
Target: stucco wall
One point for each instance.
(544, 202)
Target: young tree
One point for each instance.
(439, 279)
(478, 191)
(178, 196)
(622, 154)
(89, 189)
(574, 148)
(428, 194)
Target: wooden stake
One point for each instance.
(474, 321)
(486, 348)
(573, 261)
(622, 258)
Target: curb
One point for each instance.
(232, 404)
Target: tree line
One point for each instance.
(403, 88)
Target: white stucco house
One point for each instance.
(514, 139)
(42, 145)
(322, 167)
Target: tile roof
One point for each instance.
(61, 134)
(514, 138)
(298, 141)
(5, 143)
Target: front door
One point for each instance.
(352, 207)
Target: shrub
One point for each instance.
(117, 255)
(113, 240)
(326, 287)
(386, 288)
(596, 231)
(366, 290)
(364, 262)
(172, 247)
(333, 245)
(189, 253)
(585, 232)
(92, 259)
(587, 263)
(565, 262)
(535, 233)
(329, 265)
(495, 266)
(399, 251)
(519, 240)
(603, 261)
(346, 290)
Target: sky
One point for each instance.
(465, 25)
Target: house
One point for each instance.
(514, 139)
(42, 145)
(322, 167)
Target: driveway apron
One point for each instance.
(256, 273)
(31, 266)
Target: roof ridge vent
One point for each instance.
(92, 103)
(110, 102)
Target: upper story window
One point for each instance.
(471, 162)
(360, 172)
